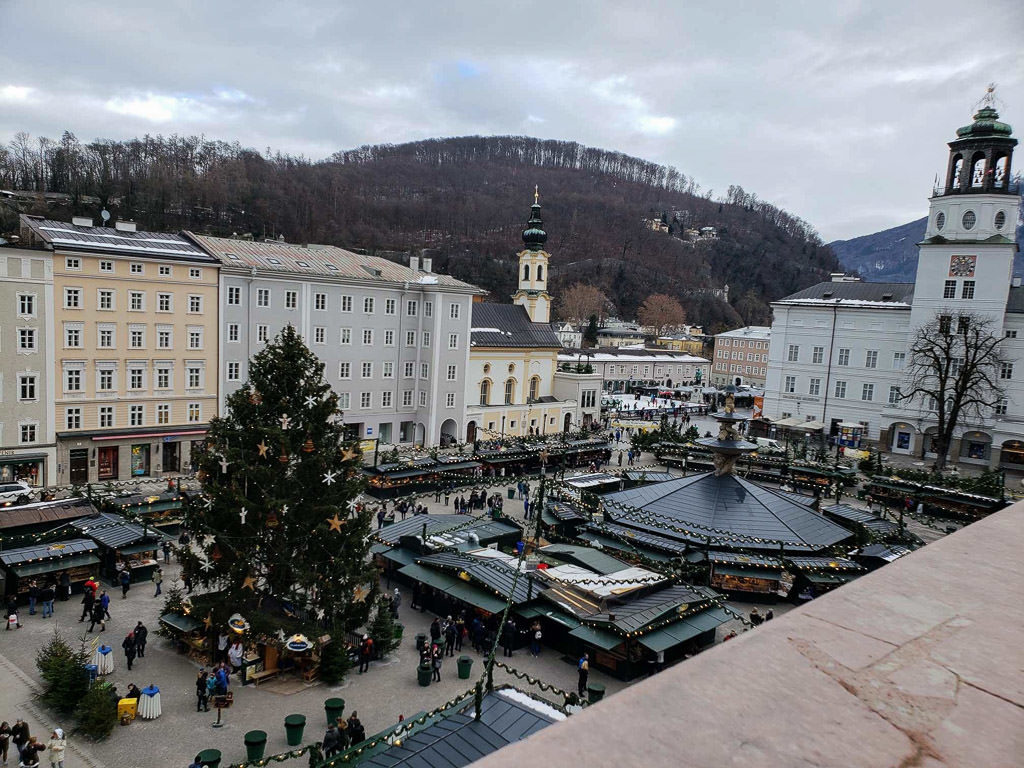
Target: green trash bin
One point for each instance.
(334, 709)
(423, 673)
(255, 745)
(595, 692)
(511, 493)
(399, 629)
(293, 727)
(210, 758)
(465, 665)
(421, 642)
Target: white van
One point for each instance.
(767, 445)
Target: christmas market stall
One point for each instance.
(159, 510)
(562, 517)
(931, 500)
(874, 556)
(29, 523)
(631, 544)
(814, 576)
(123, 546)
(868, 526)
(45, 563)
(636, 477)
(593, 482)
(188, 635)
(747, 575)
(417, 474)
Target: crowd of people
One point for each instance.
(29, 747)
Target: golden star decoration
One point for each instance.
(249, 583)
(348, 454)
(262, 448)
(335, 522)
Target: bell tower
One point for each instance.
(533, 268)
(965, 262)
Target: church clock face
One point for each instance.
(962, 266)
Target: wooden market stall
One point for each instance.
(744, 574)
(123, 546)
(417, 474)
(45, 563)
(164, 510)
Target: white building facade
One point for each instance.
(741, 356)
(623, 367)
(840, 350)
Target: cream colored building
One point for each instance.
(135, 340)
(513, 358)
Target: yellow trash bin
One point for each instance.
(127, 708)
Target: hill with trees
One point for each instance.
(621, 223)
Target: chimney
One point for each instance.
(81, 221)
(125, 226)
(427, 263)
(414, 263)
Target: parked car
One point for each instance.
(15, 492)
(768, 446)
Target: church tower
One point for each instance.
(533, 268)
(965, 262)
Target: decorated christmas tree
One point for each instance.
(282, 539)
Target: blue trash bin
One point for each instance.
(93, 671)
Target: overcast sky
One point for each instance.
(837, 111)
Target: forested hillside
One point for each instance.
(466, 198)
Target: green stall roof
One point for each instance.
(598, 637)
(757, 573)
(476, 596)
(49, 566)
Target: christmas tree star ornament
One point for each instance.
(335, 522)
(249, 583)
(348, 454)
(224, 465)
(262, 447)
(329, 477)
(208, 503)
(320, 613)
(206, 566)
(241, 514)
(352, 504)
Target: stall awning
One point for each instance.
(683, 630)
(475, 596)
(132, 549)
(398, 555)
(754, 573)
(428, 576)
(49, 566)
(598, 637)
(180, 623)
(830, 578)
(531, 612)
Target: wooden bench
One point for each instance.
(256, 677)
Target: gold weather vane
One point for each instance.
(536, 194)
(989, 99)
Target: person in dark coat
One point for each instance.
(19, 734)
(105, 602)
(450, 633)
(356, 732)
(508, 637)
(583, 666)
(65, 585)
(12, 610)
(97, 617)
(130, 649)
(202, 697)
(141, 635)
(30, 752)
(435, 630)
(126, 583)
(47, 595)
(331, 742)
(87, 602)
(33, 597)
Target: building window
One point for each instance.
(261, 333)
(385, 399)
(485, 392)
(840, 390)
(408, 370)
(899, 359)
(410, 308)
(234, 371)
(426, 338)
(27, 387)
(428, 309)
(894, 395)
(1001, 407)
(195, 413)
(365, 399)
(137, 338)
(790, 385)
(452, 372)
(449, 400)
(105, 300)
(136, 268)
(345, 370)
(27, 304)
(389, 338)
(793, 355)
(137, 301)
(871, 359)
(967, 292)
(346, 303)
(195, 273)
(291, 299)
(164, 339)
(945, 323)
(27, 339)
(388, 370)
(588, 398)
(163, 378)
(844, 357)
(814, 387)
(319, 335)
(424, 371)
(320, 302)
(367, 337)
(164, 302)
(949, 290)
(163, 414)
(346, 336)
(136, 414)
(1006, 371)
(867, 392)
(963, 324)
(195, 304)
(28, 433)
(136, 378)
(1011, 334)
(195, 339)
(232, 331)
(72, 262)
(410, 338)
(195, 378)
(164, 271)
(106, 266)
(510, 388)
(534, 390)
(344, 401)
(423, 399)
(72, 298)
(73, 338)
(453, 311)
(389, 306)
(72, 418)
(368, 305)
(105, 379)
(262, 297)
(407, 398)
(366, 370)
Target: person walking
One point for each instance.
(365, 654)
(450, 633)
(435, 663)
(331, 741)
(356, 732)
(96, 617)
(19, 735)
(33, 597)
(105, 603)
(526, 508)
(583, 666)
(30, 752)
(460, 632)
(535, 637)
(12, 613)
(158, 579)
(5, 740)
(130, 649)
(126, 583)
(435, 631)
(167, 551)
(236, 653)
(202, 692)
(141, 636)
(55, 748)
(508, 637)
(47, 595)
(87, 601)
(380, 518)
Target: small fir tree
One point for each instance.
(382, 629)
(279, 528)
(335, 663)
(174, 602)
(62, 668)
(97, 711)
(590, 335)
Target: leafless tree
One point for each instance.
(662, 313)
(955, 369)
(579, 301)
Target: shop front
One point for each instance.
(29, 466)
(90, 457)
(1011, 455)
(123, 546)
(747, 574)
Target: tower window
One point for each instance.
(1000, 220)
(969, 220)
(940, 220)
(949, 289)
(526, 272)
(968, 290)
(510, 388)
(540, 271)
(485, 392)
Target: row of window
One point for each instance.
(106, 337)
(510, 390)
(367, 336)
(264, 299)
(108, 267)
(136, 415)
(750, 370)
(106, 378)
(741, 343)
(966, 289)
(386, 400)
(658, 370)
(106, 300)
(752, 357)
(899, 359)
